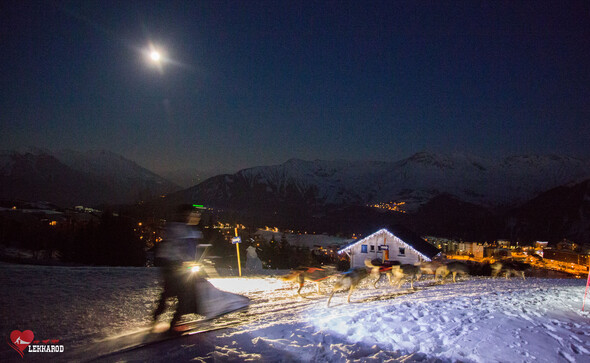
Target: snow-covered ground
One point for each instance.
(474, 320)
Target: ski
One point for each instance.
(193, 327)
(150, 338)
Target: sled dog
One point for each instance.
(403, 272)
(349, 280)
(455, 268)
(377, 271)
(508, 268)
(316, 275)
(429, 267)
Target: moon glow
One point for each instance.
(155, 56)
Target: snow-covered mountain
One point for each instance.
(68, 177)
(115, 170)
(414, 180)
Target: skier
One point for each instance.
(178, 249)
(177, 255)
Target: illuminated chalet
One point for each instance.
(402, 246)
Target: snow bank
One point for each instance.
(475, 320)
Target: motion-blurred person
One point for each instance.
(177, 249)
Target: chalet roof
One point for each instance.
(411, 239)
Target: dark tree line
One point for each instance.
(109, 241)
(279, 254)
(112, 240)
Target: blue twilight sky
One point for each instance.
(249, 83)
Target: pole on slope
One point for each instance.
(586, 292)
(238, 250)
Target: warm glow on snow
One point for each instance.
(241, 285)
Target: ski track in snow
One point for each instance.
(475, 320)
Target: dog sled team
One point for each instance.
(397, 274)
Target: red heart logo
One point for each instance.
(21, 340)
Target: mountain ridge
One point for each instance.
(456, 195)
(67, 177)
(414, 180)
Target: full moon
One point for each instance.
(155, 56)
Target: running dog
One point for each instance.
(429, 267)
(402, 272)
(509, 268)
(313, 274)
(455, 268)
(349, 280)
(377, 271)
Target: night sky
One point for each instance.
(248, 83)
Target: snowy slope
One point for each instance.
(474, 320)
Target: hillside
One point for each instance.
(69, 178)
(562, 212)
